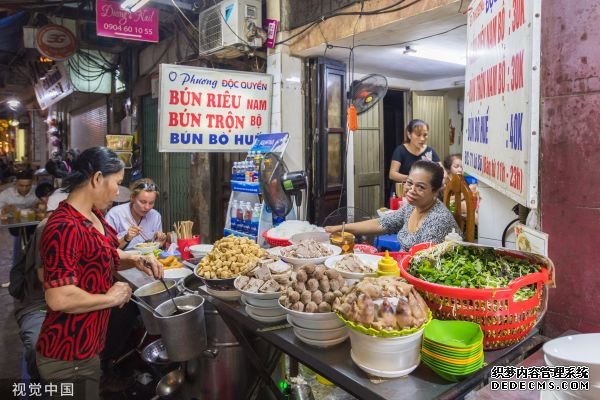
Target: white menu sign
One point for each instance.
(202, 109)
(502, 96)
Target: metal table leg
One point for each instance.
(254, 358)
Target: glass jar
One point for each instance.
(345, 242)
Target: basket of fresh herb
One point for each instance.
(501, 290)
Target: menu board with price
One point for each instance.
(501, 134)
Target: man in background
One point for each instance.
(15, 198)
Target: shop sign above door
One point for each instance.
(112, 21)
(202, 109)
(55, 42)
(502, 96)
(54, 86)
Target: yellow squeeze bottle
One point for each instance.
(388, 266)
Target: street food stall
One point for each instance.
(351, 317)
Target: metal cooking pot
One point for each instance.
(154, 294)
(216, 329)
(184, 335)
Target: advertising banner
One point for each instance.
(112, 21)
(502, 96)
(202, 109)
(54, 86)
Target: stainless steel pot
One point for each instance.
(154, 294)
(184, 335)
(216, 329)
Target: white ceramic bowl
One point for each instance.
(321, 334)
(261, 296)
(322, 237)
(369, 259)
(177, 273)
(260, 302)
(268, 320)
(389, 355)
(322, 343)
(265, 311)
(305, 261)
(201, 248)
(581, 350)
(146, 248)
(316, 324)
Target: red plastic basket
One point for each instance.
(504, 321)
(276, 242)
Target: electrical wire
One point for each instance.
(184, 16)
(384, 10)
(349, 99)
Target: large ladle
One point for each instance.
(170, 383)
(177, 309)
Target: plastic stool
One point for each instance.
(387, 242)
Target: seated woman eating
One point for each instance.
(422, 218)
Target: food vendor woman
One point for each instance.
(79, 255)
(422, 218)
(137, 221)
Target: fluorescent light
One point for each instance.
(133, 5)
(13, 104)
(436, 54)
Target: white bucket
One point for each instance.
(400, 354)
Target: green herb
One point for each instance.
(472, 267)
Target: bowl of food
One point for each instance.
(306, 252)
(310, 298)
(228, 259)
(354, 266)
(321, 237)
(147, 247)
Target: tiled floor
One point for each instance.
(10, 343)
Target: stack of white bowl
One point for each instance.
(200, 250)
(263, 307)
(576, 350)
(317, 329)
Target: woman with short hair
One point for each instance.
(422, 218)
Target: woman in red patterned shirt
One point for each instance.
(79, 254)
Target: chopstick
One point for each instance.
(141, 232)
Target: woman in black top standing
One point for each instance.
(412, 150)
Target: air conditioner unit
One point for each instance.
(231, 27)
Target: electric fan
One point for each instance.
(278, 185)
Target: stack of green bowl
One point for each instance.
(452, 349)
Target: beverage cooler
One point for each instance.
(247, 213)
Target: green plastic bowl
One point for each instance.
(458, 334)
(460, 355)
(450, 376)
(452, 369)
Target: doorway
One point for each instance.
(393, 131)
(326, 137)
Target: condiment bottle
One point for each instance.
(387, 266)
(453, 237)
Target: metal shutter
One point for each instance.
(89, 126)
